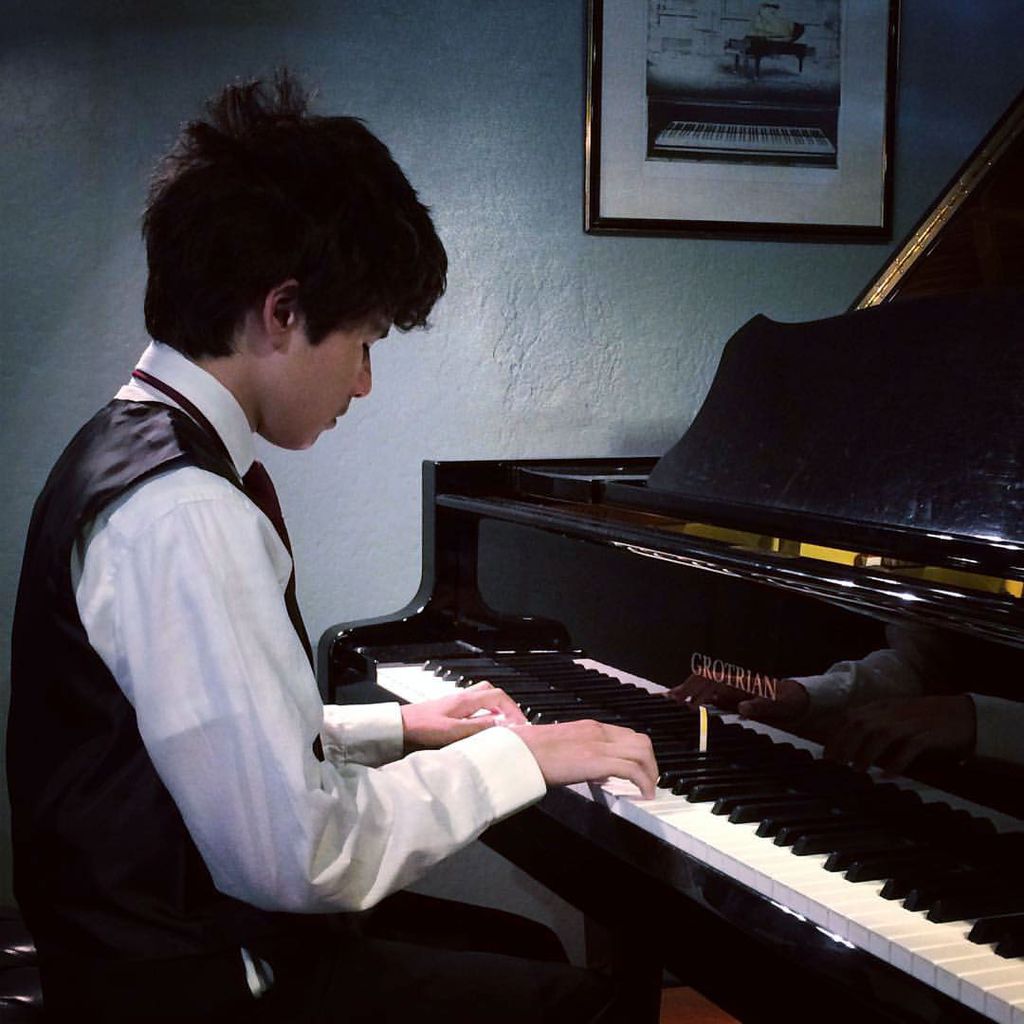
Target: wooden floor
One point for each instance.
(685, 1006)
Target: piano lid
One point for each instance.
(899, 428)
(972, 238)
(895, 429)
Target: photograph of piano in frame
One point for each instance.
(759, 119)
(735, 82)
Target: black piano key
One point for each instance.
(846, 856)
(981, 901)
(877, 867)
(546, 700)
(522, 684)
(548, 716)
(955, 883)
(727, 804)
(836, 782)
(670, 746)
(708, 792)
(772, 823)
(835, 824)
(440, 664)
(680, 769)
(900, 885)
(833, 844)
(672, 772)
(996, 928)
(718, 766)
(729, 751)
(686, 780)
(758, 809)
(1011, 947)
(667, 760)
(467, 677)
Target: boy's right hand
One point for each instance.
(569, 752)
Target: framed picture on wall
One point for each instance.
(741, 118)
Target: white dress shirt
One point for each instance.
(180, 586)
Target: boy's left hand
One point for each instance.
(436, 723)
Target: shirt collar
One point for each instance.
(207, 393)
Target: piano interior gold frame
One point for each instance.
(970, 238)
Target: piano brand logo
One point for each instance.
(745, 679)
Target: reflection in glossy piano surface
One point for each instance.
(843, 480)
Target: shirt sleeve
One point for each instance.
(369, 734)
(896, 671)
(181, 593)
(881, 675)
(1000, 728)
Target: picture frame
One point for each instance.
(741, 118)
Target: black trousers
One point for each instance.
(412, 958)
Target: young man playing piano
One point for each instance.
(188, 818)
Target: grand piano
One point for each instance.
(844, 479)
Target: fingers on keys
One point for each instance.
(483, 699)
(589, 751)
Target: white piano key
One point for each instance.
(916, 929)
(844, 913)
(931, 944)
(1002, 1000)
(951, 972)
(875, 920)
(941, 942)
(413, 683)
(979, 986)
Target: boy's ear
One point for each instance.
(280, 307)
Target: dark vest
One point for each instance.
(104, 867)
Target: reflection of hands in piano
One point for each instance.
(788, 706)
(892, 733)
(586, 751)
(436, 723)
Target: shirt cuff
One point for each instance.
(827, 692)
(509, 774)
(1000, 726)
(367, 734)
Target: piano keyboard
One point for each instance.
(735, 810)
(712, 137)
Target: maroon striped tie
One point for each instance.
(261, 492)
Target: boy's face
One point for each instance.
(312, 385)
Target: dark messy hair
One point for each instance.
(259, 192)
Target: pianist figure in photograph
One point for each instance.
(196, 837)
(771, 23)
(891, 706)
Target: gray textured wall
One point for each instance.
(549, 342)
